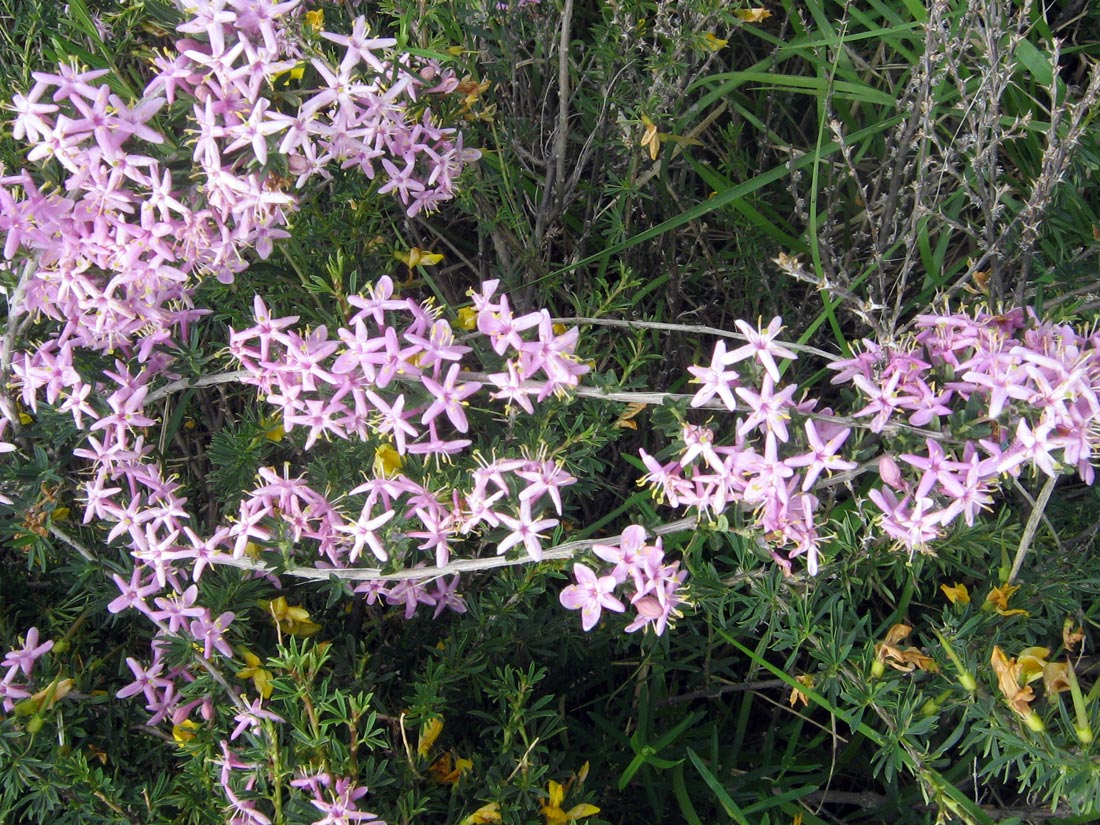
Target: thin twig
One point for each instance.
(195, 383)
(83, 551)
(7, 347)
(714, 693)
(562, 135)
(562, 551)
(1032, 526)
(695, 329)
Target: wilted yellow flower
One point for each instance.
(806, 680)
(998, 597)
(1056, 677)
(626, 420)
(485, 815)
(472, 90)
(956, 593)
(290, 618)
(49, 696)
(1017, 696)
(1071, 635)
(650, 139)
(757, 15)
(888, 652)
(447, 769)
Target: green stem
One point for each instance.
(276, 770)
(966, 678)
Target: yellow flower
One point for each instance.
(184, 732)
(447, 769)
(46, 698)
(467, 318)
(757, 15)
(956, 593)
(418, 257)
(889, 652)
(294, 73)
(998, 597)
(273, 429)
(485, 815)
(553, 812)
(1018, 697)
(316, 19)
(387, 461)
(261, 678)
(714, 43)
(290, 618)
(1031, 662)
(429, 734)
(807, 681)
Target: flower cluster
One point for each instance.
(981, 397)
(709, 475)
(550, 353)
(656, 585)
(393, 377)
(1034, 387)
(337, 800)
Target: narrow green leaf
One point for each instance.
(679, 788)
(720, 793)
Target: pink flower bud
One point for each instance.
(890, 473)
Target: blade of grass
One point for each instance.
(679, 788)
(724, 799)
